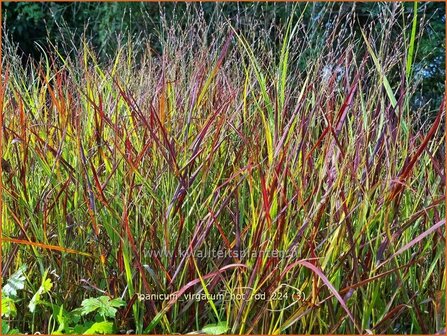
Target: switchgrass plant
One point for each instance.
(246, 180)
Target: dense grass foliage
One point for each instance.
(297, 181)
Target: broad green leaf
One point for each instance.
(44, 288)
(103, 305)
(15, 282)
(61, 319)
(33, 303)
(216, 329)
(100, 328)
(5, 327)
(8, 307)
(7, 331)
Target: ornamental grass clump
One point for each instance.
(248, 179)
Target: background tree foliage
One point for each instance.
(32, 25)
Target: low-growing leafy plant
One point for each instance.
(12, 285)
(102, 309)
(44, 288)
(102, 305)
